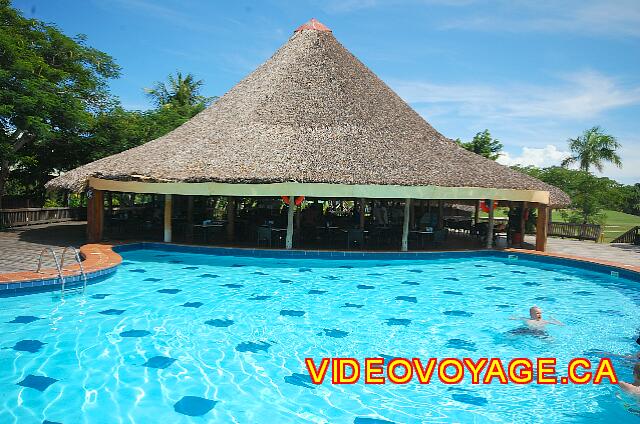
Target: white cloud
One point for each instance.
(346, 6)
(185, 15)
(610, 18)
(540, 157)
(581, 95)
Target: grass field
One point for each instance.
(616, 222)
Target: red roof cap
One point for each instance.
(314, 25)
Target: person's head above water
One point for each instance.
(535, 313)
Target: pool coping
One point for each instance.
(98, 260)
(102, 259)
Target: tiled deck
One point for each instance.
(625, 254)
(21, 247)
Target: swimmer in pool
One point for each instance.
(535, 320)
(632, 388)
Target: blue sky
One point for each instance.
(535, 73)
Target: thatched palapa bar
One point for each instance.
(311, 121)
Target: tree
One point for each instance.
(631, 199)
(51, 87)
(484, 145)
(180, 92)
(589, 194)
(117, 129)
(593, 148)
(177, 101)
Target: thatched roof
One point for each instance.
(312, 113)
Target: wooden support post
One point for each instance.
(189, 232)
(168, 215)
(290, 214)
(405, 225)
(523, 222)
(490, 226)
(95, 215)
(542, 227)
(440, 214)
(510, 225)
(231, 218)
(362, 210)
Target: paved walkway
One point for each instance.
(20, 247)
(626, 254)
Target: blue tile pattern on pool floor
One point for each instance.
(228, 341)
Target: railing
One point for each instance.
(58, 266)
(631, 236)
(76, 256)
(579, 231)
(31, 216)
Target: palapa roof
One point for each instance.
(312, 113)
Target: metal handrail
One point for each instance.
(76, 255)
(58, 266)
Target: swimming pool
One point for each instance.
(195, 338)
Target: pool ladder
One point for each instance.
(60, 265)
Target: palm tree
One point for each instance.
(180, 91)
(593, 148)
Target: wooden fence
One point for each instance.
(32, 216)
(579, 231)
(631, 236)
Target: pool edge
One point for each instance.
(627, 271)
(103, 259)
(98, 260)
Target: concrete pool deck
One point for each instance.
(623, 254)
(21, 247)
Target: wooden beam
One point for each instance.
(405, 225)
(490, 226)
(290, 214)
(523, 223)
(542, 226)
(168, 215)
(323, 190)
(95, 215)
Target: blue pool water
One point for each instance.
(204, 338)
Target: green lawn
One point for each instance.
(616, 223)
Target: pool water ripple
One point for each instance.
(225, 338)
